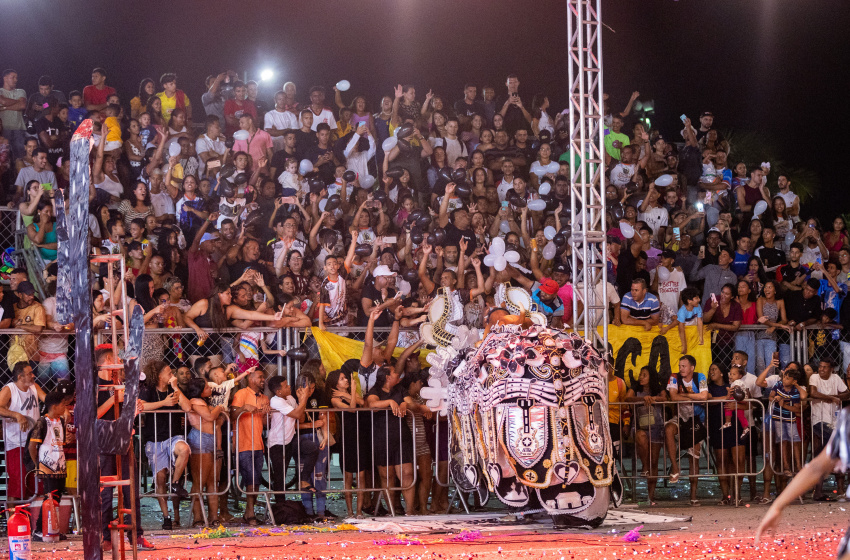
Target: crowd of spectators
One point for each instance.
(334, 210)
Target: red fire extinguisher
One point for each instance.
(50, 518)
(19, 534)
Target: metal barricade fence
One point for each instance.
(312, 448)
(178, 344)
(49, 369)
(694, 433)
(820, 342)
(204, 459)
(10, 222)
(24, 485)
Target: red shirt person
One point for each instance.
(95, 95)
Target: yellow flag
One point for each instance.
(633, 347)
(334, 349)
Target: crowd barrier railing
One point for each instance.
(710, 437)
(807, 345)
(207, 467)
(312, 446)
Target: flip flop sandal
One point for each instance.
(252, 521)
(674, 478)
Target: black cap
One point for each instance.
(26, 288)
(562, 268)
(706, 114)
(668, 254)
(66, 387)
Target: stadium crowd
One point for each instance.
(334, 210)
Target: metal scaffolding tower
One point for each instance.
(587, 160)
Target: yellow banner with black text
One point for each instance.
(633, 348)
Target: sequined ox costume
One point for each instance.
(528, 414)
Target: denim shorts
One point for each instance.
(251, 467)
(160, 454)
(785, 431)
(200, 442)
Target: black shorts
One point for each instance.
(691, 432)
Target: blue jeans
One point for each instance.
(52, 371)
(784, 355)
(320, 474)
(745, 341)
(765, 347)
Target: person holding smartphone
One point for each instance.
(359, 150)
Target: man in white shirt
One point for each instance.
(321, 114)
(282, 443)
(652, 212)
(507, 182)
(37, 171)
(623, 172)
(687, 386)
(210, 146)
(668, 282)
(792, 201)
(827, 391)
(13, 101)
(451, 143)
(161, 202)
(279, 120)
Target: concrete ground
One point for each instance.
(810, 531)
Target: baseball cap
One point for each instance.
(706, 114)
(66, 387)
(562, 268)
(668, 254)
(26, 287)
(549, 286)
(714, 229)
(382, 270)
(209, 237)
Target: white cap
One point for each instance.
(382, 270)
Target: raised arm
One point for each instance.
(427, 283)
(443, 218)
(367, 359)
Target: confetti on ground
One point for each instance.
(222, 532)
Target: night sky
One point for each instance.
(777, 66)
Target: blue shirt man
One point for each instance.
(639, 307)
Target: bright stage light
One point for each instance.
(267, 74)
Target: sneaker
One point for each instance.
(177, 488)
(37, 537)
(145, 544)
(167, 525)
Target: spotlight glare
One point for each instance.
(267, 74)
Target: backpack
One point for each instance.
(289, 512)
